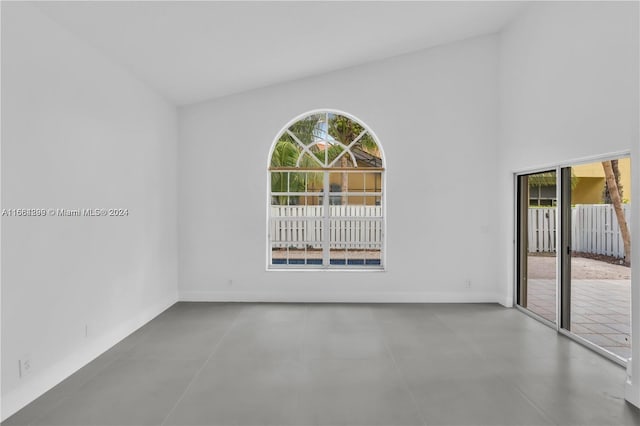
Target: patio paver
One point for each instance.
(597, 310)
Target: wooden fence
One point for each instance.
(354, 227)
(542, 230)
(594, 229)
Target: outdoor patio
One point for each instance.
(600, 300)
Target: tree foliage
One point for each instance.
(346, 131)
(319, 134)
(549, 179)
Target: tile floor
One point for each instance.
(600, 310)
(340, 364)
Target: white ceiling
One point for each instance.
(193, 51)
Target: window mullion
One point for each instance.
(305, 228)
(325, 221)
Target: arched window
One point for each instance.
(326, 195)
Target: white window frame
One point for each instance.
(326, 169)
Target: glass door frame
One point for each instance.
(562, 324)
(520, 266)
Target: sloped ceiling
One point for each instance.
(193, 51)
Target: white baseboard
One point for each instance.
(333, 297)
(631, 392)
(631, 395)
(17, 398)
(507, 302)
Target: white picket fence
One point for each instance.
(542, 229)
(594, 229)
(352, 227)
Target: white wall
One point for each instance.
(78, 132)
(435, 113)
(559, 84)
(568, 91)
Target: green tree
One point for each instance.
(289, 151)
(286, 154)
(345, 131)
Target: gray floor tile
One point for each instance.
(281, 340)
(177, 343)
(128, 392)
(61, 392)
(359, 392)
(579, 402)
(420, 344)
(325, 340)
(432, 371)
(245, 391)
(36, 410)
(478, 401)
(341, 313)
(273, 313)
(314, 364)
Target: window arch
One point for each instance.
(326, 195)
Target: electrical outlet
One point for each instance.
(468, 283)
(24, 366)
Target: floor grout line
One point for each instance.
(476, 330)
(522, 393)
(84, 383)
(399, 372)
(197, 373)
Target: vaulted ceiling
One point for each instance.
(193, 51)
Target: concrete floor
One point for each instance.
(340, 364)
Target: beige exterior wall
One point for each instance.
(590, 183)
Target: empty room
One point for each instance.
(320, 213)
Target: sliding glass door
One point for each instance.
(599, 279)
(573, 265)
(537, 243)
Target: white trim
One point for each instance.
(575, 337)
(559, 231)
(632, 383)
(598, 349)
(348, 149)
(326, 232)
(305, 149)
(2, 402)
(337, 297)
(506, 302)
(19, 397)
(285, 128)
(515, 276)
(541, 169)
(334, 268)
(631, 392)
(325, 110)
(571, 163)
(537, 317)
